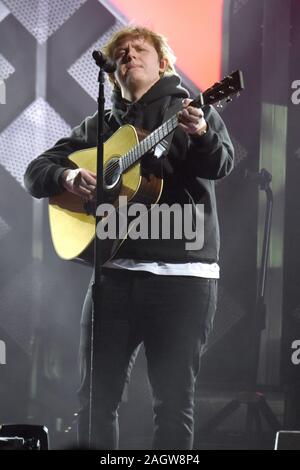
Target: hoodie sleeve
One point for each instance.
(210, 156)
(43, 175)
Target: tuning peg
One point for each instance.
(229, 100)
(219, 105)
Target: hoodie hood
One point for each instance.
(135, 113)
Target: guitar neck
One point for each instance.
(156, 137)
(230, 85)
(149, 142)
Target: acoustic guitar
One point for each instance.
(72, 221)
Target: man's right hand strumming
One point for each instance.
(81, 182)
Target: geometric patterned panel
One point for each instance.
(85, 71)
(6, 69)
(43, 17)
(3, 11)
(37, 128)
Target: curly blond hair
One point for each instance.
(159, 41)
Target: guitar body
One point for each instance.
(72, 227)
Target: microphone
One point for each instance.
(101, 60)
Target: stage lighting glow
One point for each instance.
(194, 31)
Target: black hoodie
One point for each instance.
(190, 167)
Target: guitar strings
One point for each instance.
(173, 121)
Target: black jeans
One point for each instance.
(172, 316)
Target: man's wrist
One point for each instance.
(202, 131)
(63, 177)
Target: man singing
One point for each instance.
(156, 291)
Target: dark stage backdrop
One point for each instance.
(290, 369)
(50, 81)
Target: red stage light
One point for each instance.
(193, 28)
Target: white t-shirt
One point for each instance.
(197, 269)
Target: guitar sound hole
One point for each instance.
(112, 173)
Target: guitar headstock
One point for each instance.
(230, 85)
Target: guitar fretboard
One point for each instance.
(131, 157)
(225, 88)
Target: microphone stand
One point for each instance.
(255, 401)
(104, 66)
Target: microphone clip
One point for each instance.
(104, 62)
